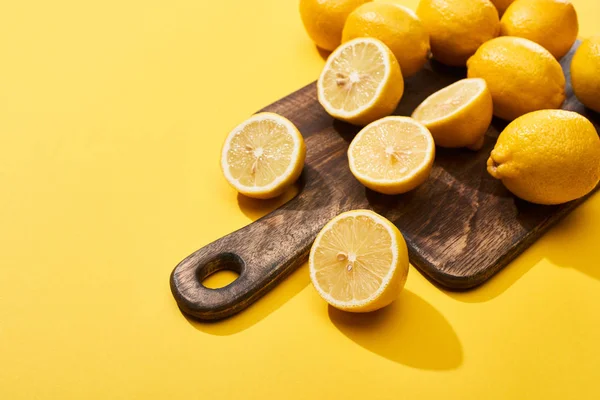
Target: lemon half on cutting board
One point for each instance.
(263, 156)
(361, 82)
(392, 155)
(458, 115)
(359, 261)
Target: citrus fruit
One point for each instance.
(547, 157)
(458, 27)
(521, 75)
(324, 20)
(550, 23)
(263, 156)
(458, 115)
(359, 262)
(396, 26)
(392, 155)
(361, 82)
(502, 5)
(585, 73)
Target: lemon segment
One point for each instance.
(359, 262)
(392, 155)
(361, 82)
(263, 156)
(458, 115)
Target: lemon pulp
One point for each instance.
(458, 115)
(263, 155)
(392, 155)
(359, 261)
(361, 82)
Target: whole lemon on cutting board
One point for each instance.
(502, 5)
(324, 20)
(550, 23)
(458, 27)
(585, 73)
(396, 26)
(547, 157)
(521, 75)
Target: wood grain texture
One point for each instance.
(461, 226)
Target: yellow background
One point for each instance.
(112, 114)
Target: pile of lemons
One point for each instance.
(510, 49)
(512, 70)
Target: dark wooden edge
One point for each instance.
(465, 282)
(192, 309)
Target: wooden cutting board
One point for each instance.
(461, 226)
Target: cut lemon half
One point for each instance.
(359, 262)
(263, 156)
(361, 82)
(392, 155)
(458, 115)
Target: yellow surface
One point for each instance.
(112, 116)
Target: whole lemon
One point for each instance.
(585, 73)
(521, 75)
(551, 23)
(458, 27)
(396, 26)
(502, 5)
(324, 20)
(547, 157)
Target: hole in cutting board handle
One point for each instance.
(220, 279)
(221, 271)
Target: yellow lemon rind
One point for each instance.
(585, 73)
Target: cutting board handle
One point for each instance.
(263, 253)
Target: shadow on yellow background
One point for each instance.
(323, 53)
(256, 209)
(571, 232)
(411, 318)
(409, 331)
(263, 307)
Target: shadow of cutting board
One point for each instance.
(461, 226)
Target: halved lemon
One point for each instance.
(359, 261)
(392, 155)
(263, 156)
(361, 82)
(458, 115)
